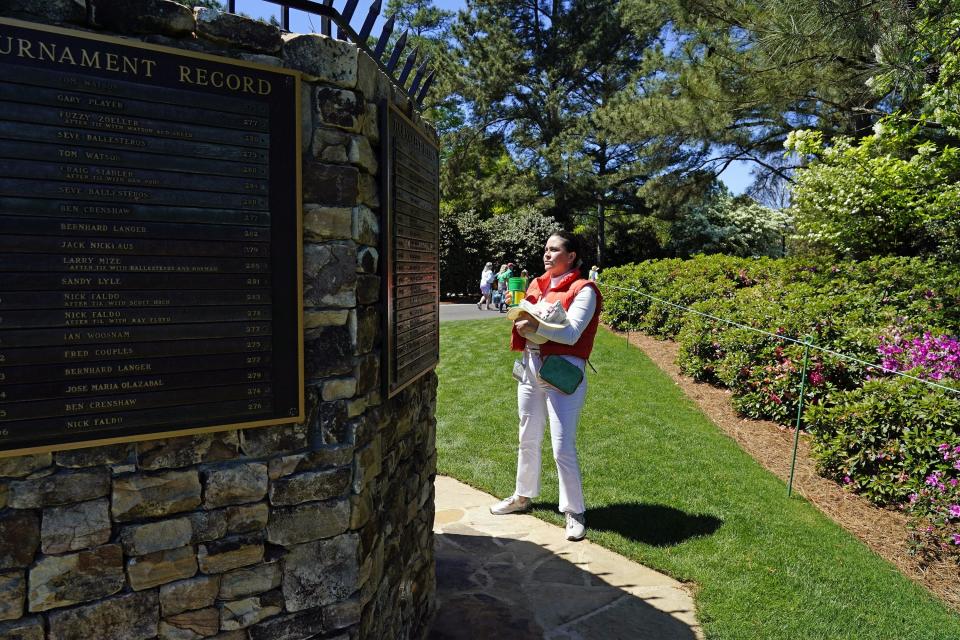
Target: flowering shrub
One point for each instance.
(891, 193)
(881, 439)
(934, 509)
(876, 434)
(936, 357)
(732, 226)
(681, 282)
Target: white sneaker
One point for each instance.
(513, 504)
(576, 526)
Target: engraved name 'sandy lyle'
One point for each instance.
(122, 64)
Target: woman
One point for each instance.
(495, 286)
(487, 278)
(503, 281)
(537, 401)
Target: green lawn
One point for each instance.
(666, 488)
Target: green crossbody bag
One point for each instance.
(560, 374)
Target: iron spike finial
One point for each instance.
(347, 14)
(348, 9)
(397, 51)
(368, 23)
(418, 76)
(425, 89)
(384, 37)
(408, 66)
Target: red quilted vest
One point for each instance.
(565, 291)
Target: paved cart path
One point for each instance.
(458, 311)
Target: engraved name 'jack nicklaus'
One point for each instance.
(67, 55)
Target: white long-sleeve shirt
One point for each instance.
(485, 277)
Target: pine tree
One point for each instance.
(558, 82)
(739, 76)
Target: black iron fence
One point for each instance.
(330, 15)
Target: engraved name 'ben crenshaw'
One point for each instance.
(120, 403)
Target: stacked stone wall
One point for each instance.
(316, 530)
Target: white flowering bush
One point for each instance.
(732, 226)
(888, 194)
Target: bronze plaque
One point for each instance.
(411, 200)
(150, 253)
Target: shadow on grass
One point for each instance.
(653, 524)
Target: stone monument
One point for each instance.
(212, 492)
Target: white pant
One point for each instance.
(536, 401)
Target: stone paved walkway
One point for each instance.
(518, 578)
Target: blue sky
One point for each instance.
(736, 176)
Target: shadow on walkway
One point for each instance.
(496, 589)
(518, 578)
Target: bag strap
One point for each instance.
(592, 367)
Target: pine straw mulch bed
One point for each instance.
(770, 444)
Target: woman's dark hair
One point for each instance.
(572, 244)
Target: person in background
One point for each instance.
(537, 402)
(487, 278)
(594, 275)
(495, 286)
(503, 279)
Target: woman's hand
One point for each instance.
(526, 324)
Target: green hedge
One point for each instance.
(877, 434)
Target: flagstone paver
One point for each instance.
(517, 578)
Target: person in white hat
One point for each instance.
(558, 317)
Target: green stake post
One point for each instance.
(807, 342)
